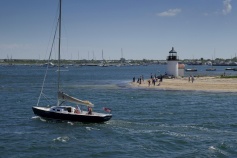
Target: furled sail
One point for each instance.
(66, 97)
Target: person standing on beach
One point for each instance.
(149, 83)
(192, 79)
(189, 78)
(161, 78)
(154, 81)
(140, 80)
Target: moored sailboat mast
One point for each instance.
(59, 44)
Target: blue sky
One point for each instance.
(143, 29)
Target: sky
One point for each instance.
(132, 29)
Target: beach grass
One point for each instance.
(228, 76)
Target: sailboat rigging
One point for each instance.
(212, 68)
(61, 111)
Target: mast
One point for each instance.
(59, 42)
(59, 46)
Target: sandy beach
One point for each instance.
(200, 84)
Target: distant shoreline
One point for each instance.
(208, 84)
(121, 61)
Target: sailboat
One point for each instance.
(212, 68)
(191, 69)
(62, 111)
(103, 62)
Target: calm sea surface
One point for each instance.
(145, 123)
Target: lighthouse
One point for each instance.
(172, 63)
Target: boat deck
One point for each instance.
(73, 113)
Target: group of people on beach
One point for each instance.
(155, 79)
(139, 79)
(152, 80)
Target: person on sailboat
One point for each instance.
(89, 110)
(77, 110)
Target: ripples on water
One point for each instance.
(145, 123)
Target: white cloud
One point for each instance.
(227, 7)
(170, 12)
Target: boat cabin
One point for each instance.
(65, 109)
(62, 109)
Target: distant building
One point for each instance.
(181, 68)
(172, 63)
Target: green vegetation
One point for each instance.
(222, 76)
(79, 62)
(201, 61)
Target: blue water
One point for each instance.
(145, 123)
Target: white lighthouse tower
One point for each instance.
(172, 63)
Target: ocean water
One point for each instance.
(145, 122)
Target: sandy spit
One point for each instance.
(199, 84)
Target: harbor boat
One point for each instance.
(211, 69)
(103, 62)
(62, 110)
(191, 69)
(229, 68)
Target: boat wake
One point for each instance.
(35, 117)
(217, 150)
(39, 118)
(61, 139)
(90, 128)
